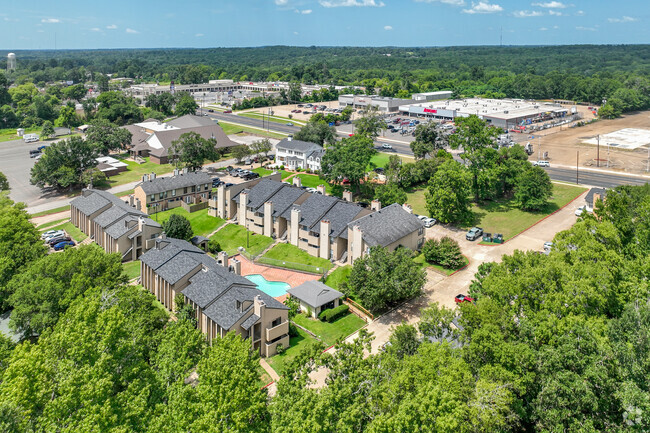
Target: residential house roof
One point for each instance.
(138, 136)
(191, 121)
(248, 323)
(224, 310)
(589, 198)
(161, 141)
(92, 200)
(339, 217)
(313, 209)
(315, 293)
(182, 180)
(300, 146)
(387, 225)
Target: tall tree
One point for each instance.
(179, 227)
(63, 163)
(185, 105)
(348, 160)
(317, 131)
(4, 183)
(191, 150)
(47, 130)
(106, 136)
(533, 189)
(429, 138)
(370, 124)
(447, 195)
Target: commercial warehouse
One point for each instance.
(503, 113)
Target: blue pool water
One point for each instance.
(271, 288)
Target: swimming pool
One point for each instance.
(271, 288)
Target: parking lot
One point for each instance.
(16, 164)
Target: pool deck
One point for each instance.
(293, 278)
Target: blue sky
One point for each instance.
(36, 24)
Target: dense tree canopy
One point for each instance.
(107, 137)
(63, 163)
(191, 151)
(347, 160)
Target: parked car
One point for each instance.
(542, 163)
(289, 124)
(53, 235)
(429, 222)
(59, 239)
(62, 245)
(474, 233)
(548, 246)
(50, 233)
(229, 184)
(386, 146)
(41, 148)
(210, 110)
(34, 153)
(460, 298)
(227, 112)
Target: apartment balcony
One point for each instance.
(281, 329)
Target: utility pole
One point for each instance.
(577, 165)
(598, 153)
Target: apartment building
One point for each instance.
(117, 226)
(223, 301)
(295, 154)
(162, 193)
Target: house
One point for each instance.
(116, 226)
(315, 297)
(390, 227)
(162, 193)
(154, 138)
(222, 301)
(110, 166)
(295, 154)
(593, 196)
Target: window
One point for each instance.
(185, 190)
(193, 188)
(239, 305)
(276, 322)
(153, 197)
(420, 231)
(206, 187)
(161, 195)
(173, 193)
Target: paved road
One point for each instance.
(16, 164)
(592, 177)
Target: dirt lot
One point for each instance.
(562, 145)
(285, 110)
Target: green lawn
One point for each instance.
(329, 333)
(380, 159)
(10, 134)
(265, 172)
(51, 211)
(338, 276)
(312, 181)
(51, 223)
(135, 171)
(502, 216)
(233, 128)
(71, 230)
(132, 269)
(265, 378)
(296, 344)
(274, 119)
(423, 263)
(417, 202)
(202, 223)
(233, 236)
(291, 257)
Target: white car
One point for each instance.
(53, 235)
(429, 222)
(386, 146)
(542, 163)
(581, 210)
(48, 233)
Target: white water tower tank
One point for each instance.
(11, 62)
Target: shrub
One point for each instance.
(445, 253)
(214, 246)
(334, 313)
(280, 349)
(293, 330)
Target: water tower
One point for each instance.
(11, 62)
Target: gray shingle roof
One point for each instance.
(224, 310)
(285, 198)
(300, 146)
(162, 184)
(177, 268)
(313, 209)
(203, 288)
(589, 198)
(387, 225)
(191, 121)
(120, 227)
(166, 249)
(261, 193)
(96, 200)
(339, 217)
(315, 293)
(246, 324)
(212, 131)
(111, 216)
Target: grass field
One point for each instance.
(132, 269)
(423, 263)
(291, 257)
(503, 217)
(417, 202)
(202, 223)
(232, 128)
(233, 236)
(329, 333)
(380, 159)
(265, 172)
(274, 119)
(312, 181)
(71, 230)
(135, 171)
(279, 362)
(10, 134)
(51, 224)
(51, 211)
(338, 276)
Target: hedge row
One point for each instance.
(333, 313)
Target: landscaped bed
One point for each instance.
(202, 223)
(291, 257)
(233, 236)
(419, 259)
(338, 276)
(329, 333)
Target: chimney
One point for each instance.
(321, 189)
(86, 192)
(289, 138)
(138, 204)
(407, 208)
(141, 223)
(223, 258)
(295, 225)
(375, 205)
(153, 175)
(347, 195)
(268, 218)
(243, 207)
(131, 201)
(325, 228)
(297, 181)
(145, 177)
(163, 235)
(185, 170)
(236, 264)
(176, 171)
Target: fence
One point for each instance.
(360, 309)
(194, 207)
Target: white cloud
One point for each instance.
(483, 8)
(304, 11)
(624, 19)
(527, 14)
(50, 20)
(447, 2)
(281, 2)
(388, 27)
(543, 29)
(198, 35)
(551, 5)
(580, 13)
(111, 27)
(348, 3)
(555, 13)
(586, 29)
(95, 29)
(132, 31)
(295, 33)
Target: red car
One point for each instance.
(460, 298)
(227, 112)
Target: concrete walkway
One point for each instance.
(272, 389)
